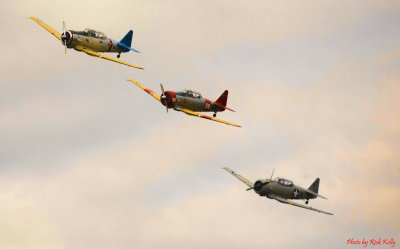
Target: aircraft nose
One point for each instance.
(65, 37)
(164, 98)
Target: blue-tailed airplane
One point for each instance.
(91, 42)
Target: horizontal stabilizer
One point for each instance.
(218, 104)
(315, 194)
(126, 42)
(127, 47)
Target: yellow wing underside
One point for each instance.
(47, 27)
(93, 53)
(187, 111)
(80, 48)
(196, 114)
(155, 95)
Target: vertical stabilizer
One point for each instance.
(314, 186)
(126, 42)
(223, 98)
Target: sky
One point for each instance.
(88, 160)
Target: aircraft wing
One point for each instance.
(241, 178)
(311, 192)
(93, 53)
(282, 200)
(192, 113)
(147, 90)
(47, 27)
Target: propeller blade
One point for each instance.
(65, 42)
(163, 94)
(162, 88)
(272, 174)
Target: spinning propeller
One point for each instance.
(64, 38)
(164, 98)
(258, 185)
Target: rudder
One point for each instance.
(314, 186)
(223, 98)
(127, 40)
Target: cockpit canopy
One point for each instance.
(284, 182)
(95, 33)
(190, 93)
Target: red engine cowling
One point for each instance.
(170, 97)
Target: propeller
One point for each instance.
(272, 174)
(164, 97)
(258, 184)
(64, 38)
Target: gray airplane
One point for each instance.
(282, 190)
(190, 102)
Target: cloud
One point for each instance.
(170, 33)
(90, 149)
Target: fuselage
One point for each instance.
(282, 188)
(190, 100)
(93, 40)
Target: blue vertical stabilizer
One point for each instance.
(126, 42)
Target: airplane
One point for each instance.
(282, 190)
(91, 42)
(190, 102)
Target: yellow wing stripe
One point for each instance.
(47, 27)
(155, 95)
(189, 112)
(93, 53)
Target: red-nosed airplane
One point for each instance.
(91, 42)
(190, 102)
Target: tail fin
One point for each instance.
(221, 101)
(223, 98)
(126, 42)
(314, 186)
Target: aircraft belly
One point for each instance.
(215, 108)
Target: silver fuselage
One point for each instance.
(97, 44)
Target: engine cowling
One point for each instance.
(66, 38)
(169, 97)
(259, 186)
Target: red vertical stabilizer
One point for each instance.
(221, 101)
(223, 98)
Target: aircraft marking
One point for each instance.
(295, 193)
(110, 46)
